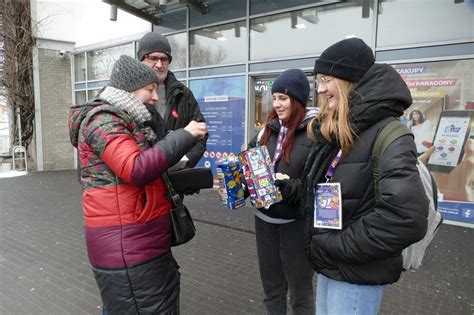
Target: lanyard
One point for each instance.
(279, 145)
(332, 166)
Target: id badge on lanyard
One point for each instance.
(327, 201)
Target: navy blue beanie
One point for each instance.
(294, 83)
(348, 59)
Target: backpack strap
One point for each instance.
(434, 185)
(390, 132)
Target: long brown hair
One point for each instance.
(297, 114)
(335, 122)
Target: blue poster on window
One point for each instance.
(222, 102)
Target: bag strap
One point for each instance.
(175, 197)
(434, 185)
(392, 131)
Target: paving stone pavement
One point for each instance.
(44, 267)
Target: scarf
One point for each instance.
(128, 103)
(320, 156)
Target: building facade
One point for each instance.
(229, 54)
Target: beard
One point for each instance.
(162, 75)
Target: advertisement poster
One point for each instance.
(222, 102)
(441, 119)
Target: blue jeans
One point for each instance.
(338, 297)
(284, 267)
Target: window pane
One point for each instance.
(79, 67)
(178, 45)
(218, 45)
(423, 22)
(100, 62)
(262, 6)
(93, 93)
(219, 10)
(263, 101)
(171, 21)
(306, 32)
(81, 97)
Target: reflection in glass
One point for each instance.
(220, 10)
(263, 101)
(178, 43)
(306, 32)
(79, 67)
(81, 97)
(218, 45)
(441, 20)
(174, 20)
(263, 6)
(100, 62)
(93, 93)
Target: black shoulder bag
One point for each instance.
(183, 226)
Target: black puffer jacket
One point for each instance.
(368, 248)
(298, 155)
(181, 108)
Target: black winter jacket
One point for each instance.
(368, 248)
(180, 102)
(298, 155)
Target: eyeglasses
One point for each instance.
(154, 59)
(323, 82)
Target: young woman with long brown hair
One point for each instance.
(280, 229)
(357, 256)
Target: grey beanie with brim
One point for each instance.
(153, 42)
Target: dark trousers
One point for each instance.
(284, 266)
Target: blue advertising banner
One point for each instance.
(222, 102)
(457, 211)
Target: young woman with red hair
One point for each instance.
(280, 229)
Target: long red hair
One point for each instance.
(298, 112)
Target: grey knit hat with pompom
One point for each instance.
(129, 74)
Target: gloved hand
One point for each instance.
(289, 189)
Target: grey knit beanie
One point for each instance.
(294, 83)
(348, 59)
(129, 74)
(152, 42)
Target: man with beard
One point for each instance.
(176, 105)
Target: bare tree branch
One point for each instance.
(18, 68)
